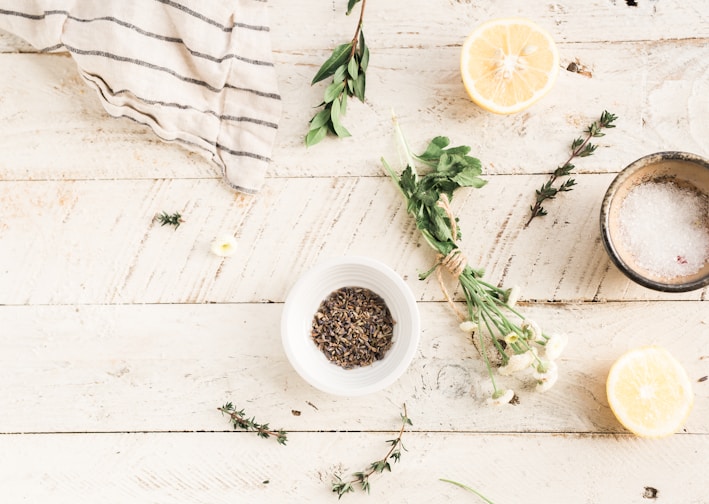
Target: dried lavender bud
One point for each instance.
(353, 327)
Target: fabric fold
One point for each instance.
(197, 73)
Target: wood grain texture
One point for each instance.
(658, 90)
(119, 338)
(224, 468)
(60, 250)
(440, 22)
(168, 367)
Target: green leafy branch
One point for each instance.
(239, 420)
(580, 147)
(347, 66)
(341, 487)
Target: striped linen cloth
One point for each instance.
(199, 73)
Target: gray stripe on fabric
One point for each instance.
(130, 26)
(183, 106)
(190, 80)
(210, 21)
(248, 190)
(242, 153)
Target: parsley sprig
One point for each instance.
(580, 147)
(347, 66)
(450, 168)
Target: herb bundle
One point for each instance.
(580, 147)
(341, 487)
(347, 66)
(496, 327)
(239, 420)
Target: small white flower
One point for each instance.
(517, 362)
(224, 245)
(501, 397)
(531, 329)
(546, 382)
(513, 295)
(468, 327)
(555, 345)
(546, 369)
(512, 338)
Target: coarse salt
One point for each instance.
(666, 228)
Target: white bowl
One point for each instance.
(303, 301)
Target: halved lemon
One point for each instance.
(508, 64)
(649, 392)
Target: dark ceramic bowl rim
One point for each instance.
(623, 266)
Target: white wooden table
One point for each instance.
(120, 338)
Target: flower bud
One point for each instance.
(501, 397)
(517, 362)
(555, 346)
(468, 326)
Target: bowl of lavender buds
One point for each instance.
(655, 221)
(350, 326)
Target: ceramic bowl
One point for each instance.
(302, 303)
(684, 170)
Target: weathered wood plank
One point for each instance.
(423, 23)
(443, 22)
(87, 242)
(657, 89)
(221, 468)
(168, 367)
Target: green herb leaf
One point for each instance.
(363, 53)
(350, 5)
(338, 58)
(320, 119)
(335, 112)
(359, 86)
(340, 74)
(469, 178)
(316, 135)
(333, 91)
(353, 68)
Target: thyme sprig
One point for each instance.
(239, 420)
(361, 478)
(580, 147)
(502, 335)
(174, 219)
(347, 66)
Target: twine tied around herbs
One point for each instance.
(455, 262)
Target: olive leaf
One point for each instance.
(339, 56)
(350, 5)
